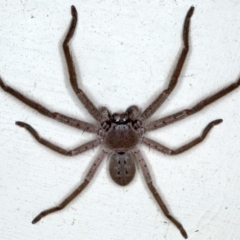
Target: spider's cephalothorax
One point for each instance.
(119, 134)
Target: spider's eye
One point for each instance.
(124, 117)
(116, 117)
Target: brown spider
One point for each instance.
(120, 133)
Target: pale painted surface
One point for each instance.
(125, 51)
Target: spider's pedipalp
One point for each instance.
(133, 112)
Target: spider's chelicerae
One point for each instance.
(120, 133)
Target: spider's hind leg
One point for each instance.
(77, 191)
(156, 195)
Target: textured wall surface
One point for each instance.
(125, 52)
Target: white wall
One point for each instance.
(125, 52)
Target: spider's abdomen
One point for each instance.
(121, 138)
(122, 168)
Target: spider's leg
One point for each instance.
(88, 127)
(89, 145)
(156, 195)
(77, 191)
(71, 69)
(173, 81)
(188, 112)
(185, 147)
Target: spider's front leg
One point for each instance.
(71, 69)
(151, 109)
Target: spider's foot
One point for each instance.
(215, 122)
(37, 218)
(190, 12)
(20, 124)
(2, 85)
(73, 11)
(183, 232)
